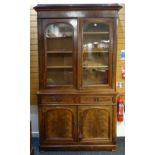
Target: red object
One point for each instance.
(120, 109)
(120, 119)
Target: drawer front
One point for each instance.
(59, 99)
(96, 99)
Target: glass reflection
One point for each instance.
(95, 53)
(59, 49)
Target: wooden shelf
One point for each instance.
(96, 52)
(58, 67)
(66, 37)
(58, 52)
(95, 33)
(95, 66)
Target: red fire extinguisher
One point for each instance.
(120, 109)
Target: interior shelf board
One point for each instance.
(60, 52)
(95, 66)
(58, 67)
(96, 52)
(65, 37)
(89, 33)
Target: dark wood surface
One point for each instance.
(77, 14)
(94, 124)
(43, 7)
(58, 124)
(78, 147)
(77, 117)
(119, 151)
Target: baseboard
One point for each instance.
(35, 134)
(78, 147)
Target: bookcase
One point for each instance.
(77, 76)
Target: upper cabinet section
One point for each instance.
(77, 46)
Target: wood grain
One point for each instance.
(95, 124)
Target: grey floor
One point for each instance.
(120, 150)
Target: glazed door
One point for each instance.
(59, 45)
(96, 52)
(58, 124)
(95, 124)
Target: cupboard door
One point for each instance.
(95, 124)
(96, 52)
(58, 124)
(59, 49)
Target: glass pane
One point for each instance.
(95, 54)
(59, 46)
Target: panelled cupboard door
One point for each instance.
(95, 124)
(59, 45)
(96, 52)
(58, 124)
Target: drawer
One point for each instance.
(59, 99)
(96, 99)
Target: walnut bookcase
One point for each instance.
(77, 76)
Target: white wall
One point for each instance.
(34, 120)
(35, 131)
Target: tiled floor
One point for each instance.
(120, 151)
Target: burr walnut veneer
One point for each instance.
(77, 76)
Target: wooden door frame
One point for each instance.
(44, 23)
(108, 21)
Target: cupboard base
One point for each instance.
(77, 147)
